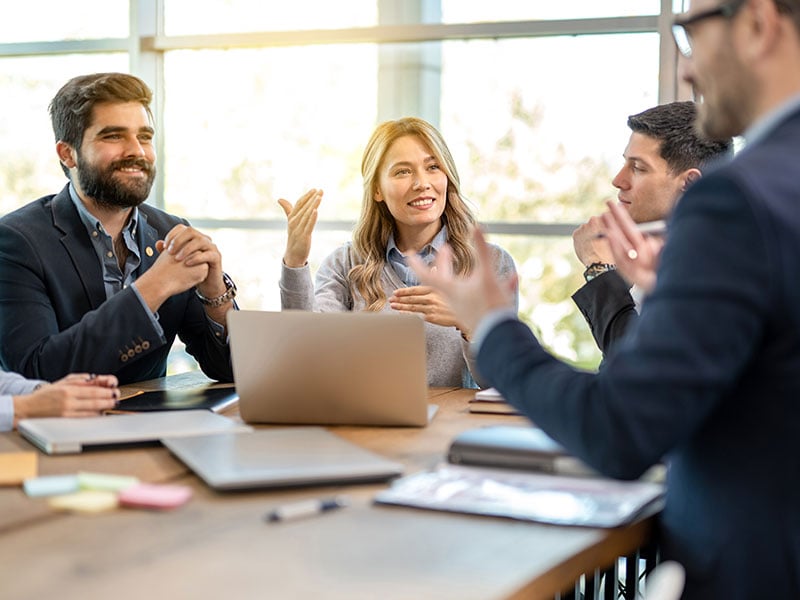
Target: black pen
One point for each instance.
(306, 508)
(647, 228)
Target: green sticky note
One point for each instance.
(103, 482)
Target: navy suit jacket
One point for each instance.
(54, 315)
(708, 379)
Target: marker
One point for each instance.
(647, 228)
(306, 508)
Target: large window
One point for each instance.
(456, 11)
(261, 100)
(28, 163)
(237, 139)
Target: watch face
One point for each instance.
(596, 269)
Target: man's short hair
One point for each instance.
(682, 146)
(71, 108)
(791, 8)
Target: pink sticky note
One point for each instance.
(150, 495)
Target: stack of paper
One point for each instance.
(491, 401)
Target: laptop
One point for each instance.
(59, 435)
(279, 457)
(348, 368)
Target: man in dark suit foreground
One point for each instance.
(92, 279)
(710, 377)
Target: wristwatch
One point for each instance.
(227, 296)
(595, 269)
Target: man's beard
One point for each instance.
(106, 190)
(729, 106)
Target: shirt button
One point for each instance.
(110, 254)
(94, 234)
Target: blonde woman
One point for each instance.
(412, 204)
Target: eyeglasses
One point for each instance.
(680, 28)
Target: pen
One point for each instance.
(648, 228)
(306, 508)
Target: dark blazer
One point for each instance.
(709, 379)
(607, 305)
(54, 315)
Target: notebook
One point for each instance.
(350, 368)
(279, 457)
(58, 435)
(514, 447)
(216, 399)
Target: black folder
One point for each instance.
(214, 399)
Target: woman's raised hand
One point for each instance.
(301, 219)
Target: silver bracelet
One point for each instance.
(227, 296)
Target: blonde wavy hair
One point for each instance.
(376, 224)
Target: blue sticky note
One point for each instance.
(50, 485)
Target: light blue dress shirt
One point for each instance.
(428, 254)
(12, 384)
(115, 279)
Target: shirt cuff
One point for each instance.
(491, 320)
(218, 329)
(6, 413)
(153, 317)
(293, 277)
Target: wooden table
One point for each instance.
(219, 546)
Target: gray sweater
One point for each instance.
(448, 358)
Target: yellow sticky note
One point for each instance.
(87, 501)
(15, 467)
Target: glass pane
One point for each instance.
(549, 273)
(29, 167)
(182, 17)
(274, 123)
(557, 128)
(54, 20)
(471, 11)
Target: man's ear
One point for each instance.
(762, 23)
(689, 177)
(66, 154)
